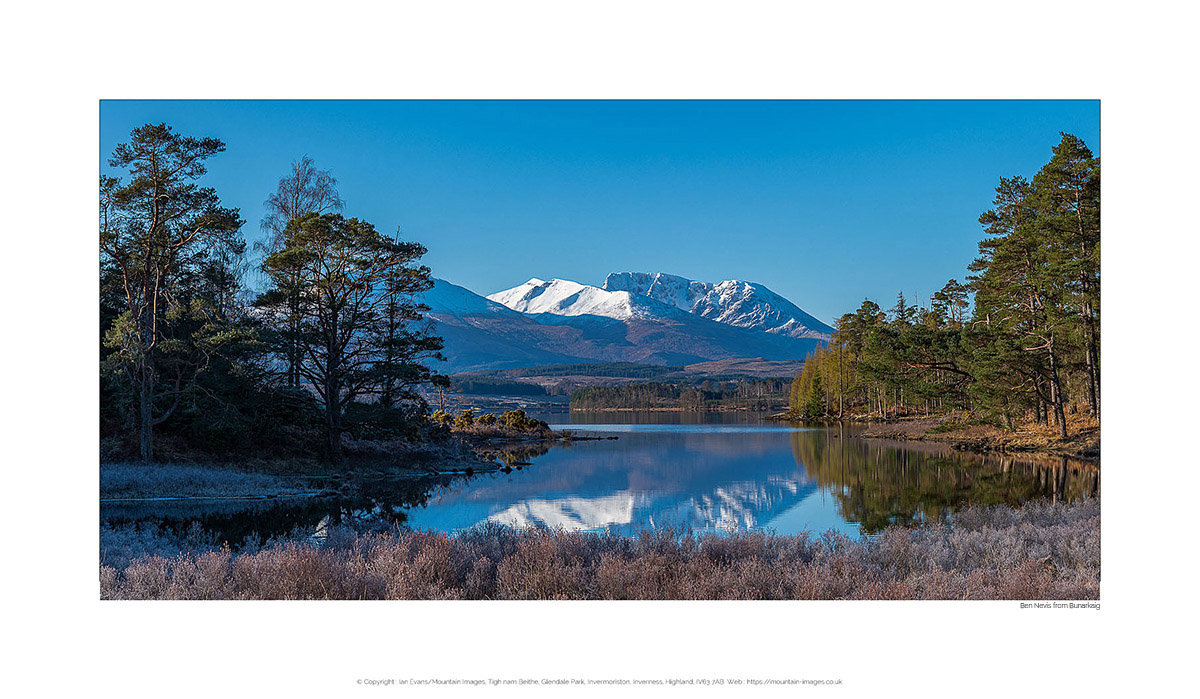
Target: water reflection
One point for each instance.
(379, 501)
(712, 478)
(877, 483)
(709, 472)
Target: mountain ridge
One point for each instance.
(561, 321)
(733, 301)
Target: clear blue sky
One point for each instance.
(823, 202)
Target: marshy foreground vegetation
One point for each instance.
(1039, 551)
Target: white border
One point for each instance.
(63, 59)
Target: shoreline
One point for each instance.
(670, 409)
(485, 451)
(1083, 440)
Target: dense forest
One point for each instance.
(1018, 341)
(743, 394)
(195, 363)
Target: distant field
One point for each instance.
(748, 368)
(564, 379)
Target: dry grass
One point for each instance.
(129, 480)
(1040, 551)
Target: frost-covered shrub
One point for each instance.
(1041, 551)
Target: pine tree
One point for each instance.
(346, 277)
(814, 407)
(1066, 196)
(170, 246)
(305, 190)
(1020, 290)
(1032, 338)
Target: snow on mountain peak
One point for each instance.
(450, 299)
(668, 288)
(567, 298)
(563, 322)
(657, 295)
(734, 302)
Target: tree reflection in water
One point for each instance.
(877, 483)
(371, 503)
(368, 503)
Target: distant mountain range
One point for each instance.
(634, 317)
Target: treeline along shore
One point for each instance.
(1017, 344)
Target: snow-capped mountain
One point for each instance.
(561, 297)
(733, 302)
(483, 334)
(447, 298)
(564, 322)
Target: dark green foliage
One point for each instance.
(185, 366)
(1033, 335)
(373, 421)
(344, 294)
(815, 407)
(1037, 280)
(169, 265)
(949, 305)
(303, 191)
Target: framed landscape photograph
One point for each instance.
(651, 348)
(600, 350)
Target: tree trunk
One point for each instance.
(1056, 396)
(1093, 341)
(333, 422)
(1093, 367)
(294, 349)
(146, 416)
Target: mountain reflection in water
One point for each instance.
(706, 472)
(735, 472)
